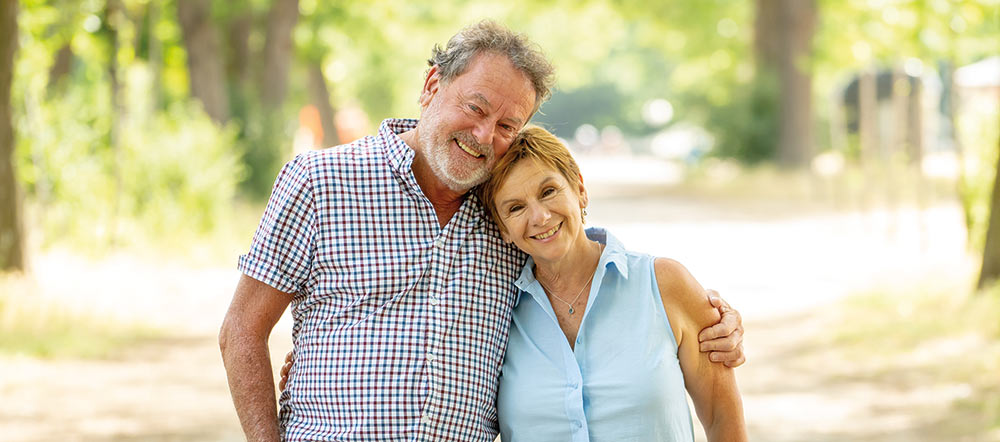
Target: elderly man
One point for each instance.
(401, 288)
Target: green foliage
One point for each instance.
(174, 171)
(978, 134)
(179, 171)
(265, 146)
(746, 129)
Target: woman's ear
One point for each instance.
(582, 191)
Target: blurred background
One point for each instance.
(828, 165)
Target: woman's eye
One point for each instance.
(548, 191)
(513, 209)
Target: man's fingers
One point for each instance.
(731, 359)
(728, 343)
(288, 358)
(713, 298)
(738, 362)
(730, 323)
(284, 375)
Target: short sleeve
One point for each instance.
(281, 252)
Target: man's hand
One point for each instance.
(284, 372)
(723, 341)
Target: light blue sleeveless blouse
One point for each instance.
(622, 382)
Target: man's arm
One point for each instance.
(255, 309)
(723, 341)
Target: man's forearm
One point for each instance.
(248, 366)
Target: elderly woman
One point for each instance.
(604, 340)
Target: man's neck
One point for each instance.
(446, 201)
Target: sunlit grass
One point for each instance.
(901, 322)
(851, 187)
(218, 246)
(31, 326)
(928, 336)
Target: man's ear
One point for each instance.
(431, 84)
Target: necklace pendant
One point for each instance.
(571, 310)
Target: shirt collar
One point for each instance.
(400, 156)
(397, 152)
(613, 256)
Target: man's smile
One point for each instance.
(468, 149)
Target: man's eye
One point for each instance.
(475, 109)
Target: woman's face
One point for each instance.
(540, 210)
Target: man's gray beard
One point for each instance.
(437, 154)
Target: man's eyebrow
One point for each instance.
(479, 97)
(482, 99)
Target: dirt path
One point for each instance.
(175, 389)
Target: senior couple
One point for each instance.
(443, 286)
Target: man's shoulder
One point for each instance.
(362, 148)
(362, 154)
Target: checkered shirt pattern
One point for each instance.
(400, 325)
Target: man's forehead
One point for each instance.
(495, 79)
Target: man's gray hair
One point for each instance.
(488, 36)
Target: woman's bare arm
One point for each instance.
(712, 386)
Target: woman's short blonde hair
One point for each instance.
(534, 143)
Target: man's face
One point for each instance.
(471, 121)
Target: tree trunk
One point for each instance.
(155, 54)
(61, 67)
(238, 40)
(321, 99)
(783, 40)
(11, 237)
(205, 61)
(991, 251)
(277, 55)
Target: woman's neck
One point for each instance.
(573, 269)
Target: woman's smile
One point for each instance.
(548, 233)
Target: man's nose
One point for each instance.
(484, 132)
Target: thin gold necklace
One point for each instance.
(570, 304)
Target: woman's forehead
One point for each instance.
(528, 172)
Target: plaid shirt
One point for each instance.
(399, 325)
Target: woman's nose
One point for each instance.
(540, 215)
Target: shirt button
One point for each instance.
(431, 357)
(425, 419)
(434, 301)
(439, 242)
(573, 385)
(577, 425)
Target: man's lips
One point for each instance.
(467, 149)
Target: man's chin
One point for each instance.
(462, 185)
